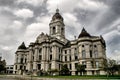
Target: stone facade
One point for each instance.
(50, 52)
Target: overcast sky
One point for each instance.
(24, 20)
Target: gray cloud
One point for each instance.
(99, 17)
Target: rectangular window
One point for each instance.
(83, 54)
(76, 64)
(70, 57)
(39, 66)
(65, 51)
(70, 67)
(96, 54)
(54, 30)
(21, 60)
(59, 56)
(92, 64)
(20, 67)
(33, 58)
(65, 58)
(76, 57)
(59, 50)
(90, 53)
(40, 57)
(49, 66)
(50, 56)
(69, 51)
(16, 67)
(40, 51)
(75, 50)
(11, 67)
(25, 60)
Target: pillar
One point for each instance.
(29, 65)
(47, 58)
(53, 66)
(73, 68)
(35, 58)
(43, 59)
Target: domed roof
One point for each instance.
(84, 33)
(57, 15)
(22, 46)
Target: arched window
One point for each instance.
(54, 30)
(96, 54)
(83, 54)
(95, 46)
(76, 56)
(82, 45)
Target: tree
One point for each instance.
(81, 68)
(65, 70)
(111, 67)
(2, 68)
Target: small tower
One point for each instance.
(57, 27)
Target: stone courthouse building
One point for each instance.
(50, 52)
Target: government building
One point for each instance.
(50, 52)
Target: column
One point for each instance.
(47, 53)
(53, 66)
(47, 58)
(73, 68)
(88, 65)
(57, 53)
(72, 54)
(35, 58)
(43, 59)
(30, 59)
(54, 52)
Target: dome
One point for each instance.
(57, 15)
(84, 33)
(22, 46)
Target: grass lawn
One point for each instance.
(85, 77)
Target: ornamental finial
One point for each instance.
(57, 10)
